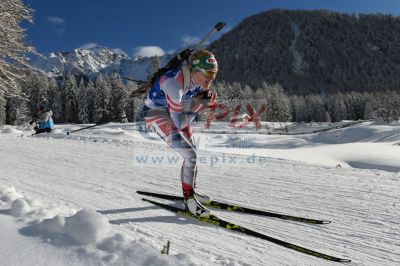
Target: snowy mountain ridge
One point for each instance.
(97, 60)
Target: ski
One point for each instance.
(237, 208)
(214, 220)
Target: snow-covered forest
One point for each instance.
(107, 99)
(312, 51)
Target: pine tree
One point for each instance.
(261, 98)
(234, 92)
(54, 99)
(395, 106)
(278, 106)
(2, 111)
(13, 47)
(36, 87)
(91, 95)
(83, 112)
(248, 93)
(389, 106)
(119, 99)
(248, 97)
(102, 100)
(17, 111)
(299, 109)
(230, 95)
(70, 92)
(336, 107)
(135, 104)
(372, 106)
(316, 108)
(356, 106)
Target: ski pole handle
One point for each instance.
(217, 27)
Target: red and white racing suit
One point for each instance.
(166, 103)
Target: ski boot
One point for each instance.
(193, 205)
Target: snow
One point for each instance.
(70, 200)
(95, 60)
(11, 130)
(86, 229)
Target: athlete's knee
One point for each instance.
(193, 158)
(190, 159)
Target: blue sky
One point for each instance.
(158, 26)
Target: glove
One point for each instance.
(187, 131)
(207, 97)
(31, 123)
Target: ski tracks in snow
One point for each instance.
(363, 205)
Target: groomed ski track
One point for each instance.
(101, 175)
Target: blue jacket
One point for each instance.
(45, 120)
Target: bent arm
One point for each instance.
(44, 117)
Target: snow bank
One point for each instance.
(84, 227)
(87, 227)
(8, 194)
(87, 232)
(139, 251)
(19, 207)
(11, 130)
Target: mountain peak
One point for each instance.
(94, 60)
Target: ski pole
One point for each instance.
(136, 80)
(69, 132)
(95, 125)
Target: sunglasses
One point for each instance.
(208, 74)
